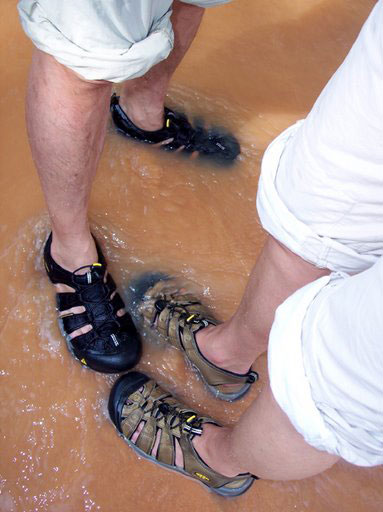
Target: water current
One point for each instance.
(254, 68)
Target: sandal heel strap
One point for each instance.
(56, 273)
(197, 468)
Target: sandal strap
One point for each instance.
(162, 412)
(179, 128)
(56, 273)
(125, 322)
(166, 449)
(72, 322)
(67, 300)
(85, 340)
(214, 375)
(195, 466)
(179, 318)
(100, 311)
(147, 437)
(94, 293)
(110, 283)
(91, 291)
(117, 303)
(99, 340)
(131, 422)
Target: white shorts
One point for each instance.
(112, 40)
(326, 364)
(321, 195)
(320, 191)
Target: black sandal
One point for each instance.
(113, 344)
(213, 144)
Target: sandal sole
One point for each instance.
(225, 493)
(227, 397)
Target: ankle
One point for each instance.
(73, 252)
(213, 446)
(219, 347)
(145, 115)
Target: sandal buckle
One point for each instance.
(188, 426)
(192, 430)
(196, 319)
(252, 377)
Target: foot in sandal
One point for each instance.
(178, 135)
(176, 318)
(92, 319)
(161, 429)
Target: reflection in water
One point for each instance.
(152, 212)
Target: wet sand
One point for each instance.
(255, 68)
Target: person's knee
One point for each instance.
(48, 64)
(189, 7)
(283, 258)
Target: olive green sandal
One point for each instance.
(135, 399)
(177, 318)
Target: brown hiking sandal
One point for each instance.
(136, 401)
(177, 317)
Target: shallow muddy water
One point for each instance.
(254, 68)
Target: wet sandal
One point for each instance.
(136, 402)
(112, 345)
(178, 134)
(177, 318)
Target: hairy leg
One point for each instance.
(66, 121)
(143, 98)
(236, 344)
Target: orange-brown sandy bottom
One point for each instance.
(255, 67)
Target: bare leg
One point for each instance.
(278, 272)
(66, 121)
(143, 98)
(263, 443)
(236, 344)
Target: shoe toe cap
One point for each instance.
(122, 389)
(118, 361)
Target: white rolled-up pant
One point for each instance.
(321, 195)
(113, 40)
